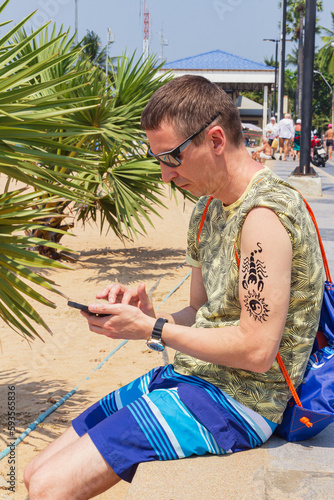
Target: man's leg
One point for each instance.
(285, 148)
(77, 472)
(66, 439)
(87, 420)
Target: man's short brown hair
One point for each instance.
(187, 103)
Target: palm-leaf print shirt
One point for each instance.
(266, 393)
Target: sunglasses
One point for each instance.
(170, 158)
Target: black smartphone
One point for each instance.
(82, 307)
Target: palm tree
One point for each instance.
(326, 53)
(112, 128)
(29, 107)
(91, 48)
(326, 58)
(74, 137)
(270, 61)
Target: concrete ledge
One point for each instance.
(307, 185)
(276, 471)
(201, 478)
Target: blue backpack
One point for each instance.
(311, 409)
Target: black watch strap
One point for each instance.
(157, 329)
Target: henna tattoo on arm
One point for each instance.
(256, 306)
(254, 270)
(254, 274)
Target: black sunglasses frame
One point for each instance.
(174, 153)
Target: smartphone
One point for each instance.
(82, 307)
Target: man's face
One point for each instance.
(194, 174)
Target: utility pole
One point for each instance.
(76, 22)
(300, 63)
(309, 47)
(110, 39)
(146, 34)
(304, 177)
(282, 63)
(163, 43)
(276, 64)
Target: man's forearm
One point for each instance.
(185, 317)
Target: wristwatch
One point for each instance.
(154, 342)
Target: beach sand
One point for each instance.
(44, 372)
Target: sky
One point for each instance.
(191, 27)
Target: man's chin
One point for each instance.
(194, 190)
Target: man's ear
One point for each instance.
(218, 139)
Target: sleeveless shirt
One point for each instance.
(266, 393)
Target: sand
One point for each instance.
(44, 372)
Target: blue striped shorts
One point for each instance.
(164, 416)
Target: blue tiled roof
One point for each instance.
(216, 59)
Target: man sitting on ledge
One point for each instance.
(224, 391)
(263, 153)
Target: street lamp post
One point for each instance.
(276, 64)
(304, 167)
(330, 88)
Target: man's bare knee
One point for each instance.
(37, 486)
(28, 471)
(62, 442)
(77, 471)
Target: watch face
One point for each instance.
(155, 345)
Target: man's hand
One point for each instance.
(125, 321)
(120, 294)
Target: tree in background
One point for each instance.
(73, 135)
(323, 100)
(29, 108)
(91, 47)
(326, 53)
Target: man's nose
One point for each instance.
(167, 173)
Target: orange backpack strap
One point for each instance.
(203, 218)
(323, 253)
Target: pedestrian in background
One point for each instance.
(271, 133)
(296, 140)
(329, 136)
(286, 132)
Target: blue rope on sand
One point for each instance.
(174, 289)
(43, 416)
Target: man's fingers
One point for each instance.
(145, 302)
(142, 294)
(107, 290)
(118, 293)
(112, 293)
(130, 297)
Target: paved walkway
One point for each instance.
(277, 471)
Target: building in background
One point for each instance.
(233, 73)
